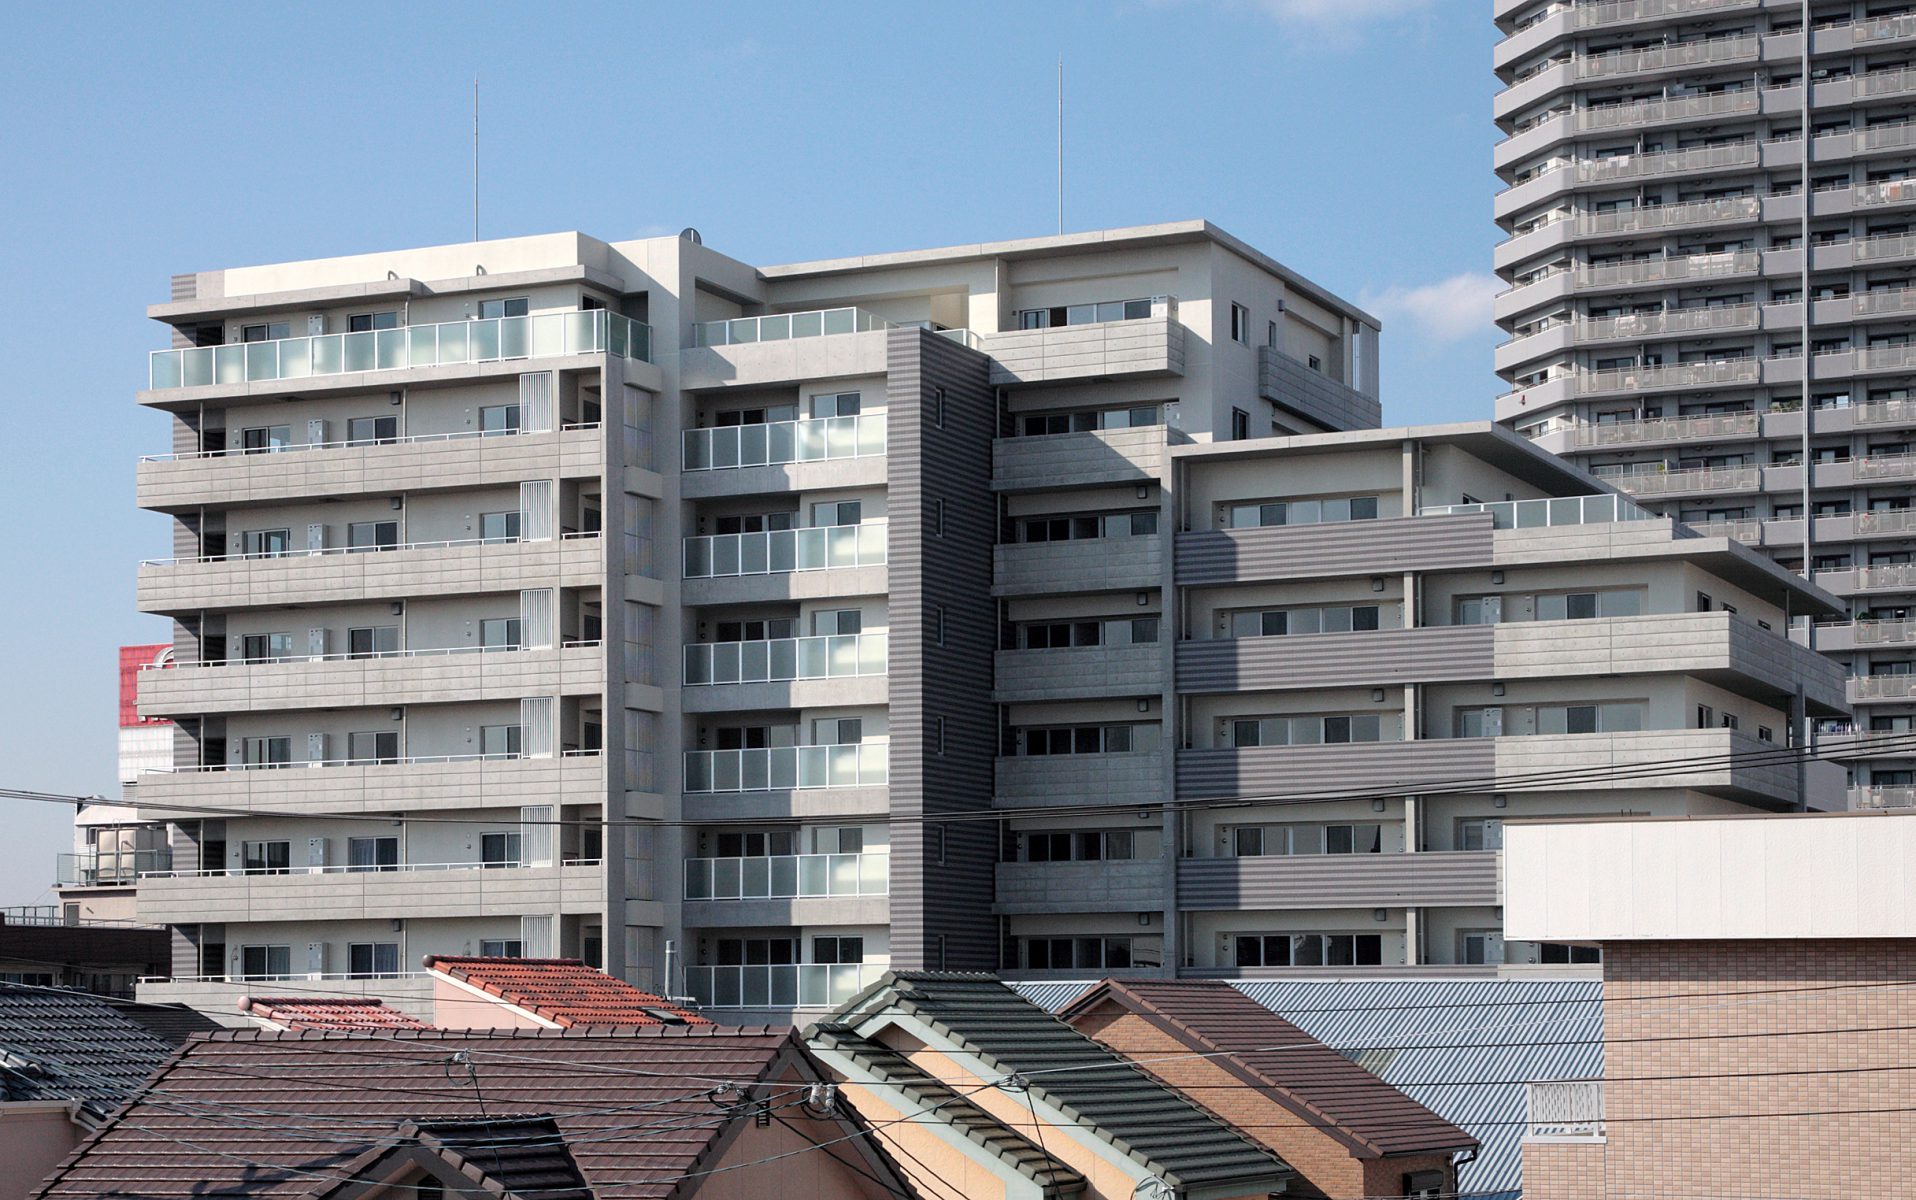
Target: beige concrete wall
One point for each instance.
(34, 1137)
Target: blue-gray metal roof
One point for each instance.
(58, 1045)
(1462, 1047)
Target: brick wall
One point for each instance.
(1325, 1164)
(1782, 1091)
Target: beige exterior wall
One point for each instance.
(34, 1136)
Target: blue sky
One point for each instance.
(1348, 138)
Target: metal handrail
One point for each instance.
(412, 761)
(773, 443)
(349, 656)
(788, 876)
(488, 339)
(449, 544)
(363, 869)
(781, 551)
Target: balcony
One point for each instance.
(416, 784)
(788, 877)
(1092, 458)
(1721, 762)
(1353, 767)
(1311, 394)
(335, 575)
(1217, 666)
(1103, 886)
(1676, 375)
(1077, 673)
(543, 335)
(1426, 879)
(1564, 1110)
(1884, 467)
(1667, 270)
(780, 986)
(1619, 12)
(1657, 480)
(1883, 247)
(1882, 687)
(1880, 303)
(1885, 412)
(786, 673)
(1890, 577)
(95, 868)
(1637, 113)
(357, 681)
(787, 768)
(1551, 512)
(1666, 162)
(1669, 57)
(1083, 565)
(1881, 796)
(370, 467)
(1120, 780)
(1668, 323)
(1726, 426)
(783, 327)
(1886, 358)
(1670, 216)
(341, 893)
(785, 551)
(1124, 347)
(784, 347)
(781, 443)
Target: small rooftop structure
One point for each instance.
(541, 993)
(350, 1013)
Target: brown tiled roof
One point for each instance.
(564, 991)
(329, 1012)
(1297, 1070)
(523, 1157)
(263, 1114)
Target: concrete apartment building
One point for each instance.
(1757, 1005)
(1660, 193)
(878, 605)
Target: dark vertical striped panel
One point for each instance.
(940, 900)
(1436, 879)
(1380, 656)
(1342, 549)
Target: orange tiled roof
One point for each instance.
(329, 1012)
(564, 991)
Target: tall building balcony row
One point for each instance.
(398, 891)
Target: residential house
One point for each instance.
(365, 1014)
(541, 993)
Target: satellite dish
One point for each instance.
(1153, 1188)
(691, 235)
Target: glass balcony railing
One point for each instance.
(542, 335)
(781, 659)
(787, 768)
(787, 876)
(94, 868)
(779, 551)
(775, 442)
(1555, 510)
(782, 327)
(780, 985)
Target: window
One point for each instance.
(1084, 314)
(1085, 739)
(756, 952)
(1477, 947)
(266, 858)
(1080, 953)
(1278, 622)
(515, 306)
(1309, 949)
(840, 512)
(1092, 420)
(269, 332)
(372, 641)
(1240, 324)
(1763, 734)
(1705, 717)
(499, 849)
(838, 949)
(372, 854)
(1480, 610)
(1254, 841)
(372, 431)
(1703, 602)
(266, 751)
(1480, 833)
(1560, 953)
(838, 731)
(938, 407)
(372, 960)
(372, 535)
(265, 543)
(1311, 730)
(1589, 718)
(756, 843)
(265, 647)
(840, 404)
(367, 322)
(1424, 1185)
(1240, 425)
(499, 741)
(1315, 363)
(499, 526)
(499, 633)
(1300, 512)
(267, 439)
(1270, 334)
(502, 948)
(938, 517)
(938, 624)
(379, 746)
(754, 522)
(266, 962)
(1729, 721)
(938, 747)
(1068, 529)
(500, 418)
(1582, 606)
(1091, 845)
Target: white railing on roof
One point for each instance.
(1556, 510)
(1570, 1108)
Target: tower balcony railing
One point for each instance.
(1658, 270)
(788, 768)
(1700, 374)
(773, 443)
(788, 876)
(1666, 216)
(1678, 108)
(1665, 162)
(1619, 63)
(779, 660)
(1669, 320)
(1616, 12)
(1665, 429)
(493, 339)
(780, 551)
(1549, 511)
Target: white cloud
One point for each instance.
(1450, 310)
(1337, 16)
